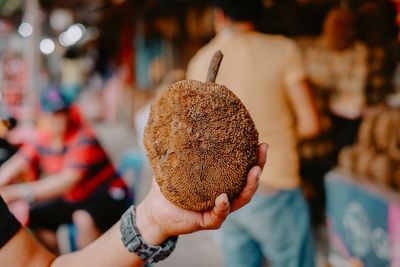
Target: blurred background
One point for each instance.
(110, 57)
(131, 46)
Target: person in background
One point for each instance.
(337, 67)
(155, 222)
(78, 183)
(266, 72)
(74, 72)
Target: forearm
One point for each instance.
(53, 186)
(11, 169)
(24, 251)
(106, 251)
(305, 110)
(44, 189)
(109, 250)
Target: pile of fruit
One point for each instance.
(376, 154)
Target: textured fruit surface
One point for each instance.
(201, 142)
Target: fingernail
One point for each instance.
(258, 176)
(225, 201)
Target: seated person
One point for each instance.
(78, 183)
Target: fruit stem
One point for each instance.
(214, 66)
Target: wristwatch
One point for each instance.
(133, 241)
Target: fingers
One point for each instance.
(253, 180)
(262, 154)
(214, 218)
(221, 208)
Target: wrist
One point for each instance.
(149, 229)
(144, 242)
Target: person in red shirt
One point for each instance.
(78, 182)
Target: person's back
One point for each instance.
(267, 75)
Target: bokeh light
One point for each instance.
(25, 29)
(47, 46)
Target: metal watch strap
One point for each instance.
(134, 242)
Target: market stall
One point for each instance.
(363, 221)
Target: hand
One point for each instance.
(3, 180)
(158, 219)
(10, 193)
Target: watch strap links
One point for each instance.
(135, 243)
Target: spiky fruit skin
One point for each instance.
(201, 142)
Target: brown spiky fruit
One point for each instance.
(364, 157)
(201, 142)
(381, 169)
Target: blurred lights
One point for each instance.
(75, 32)
(63, 39)
(72, 35)
(25, 29)
(47, 46)
(60, 19)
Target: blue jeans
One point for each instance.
(274, 226)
